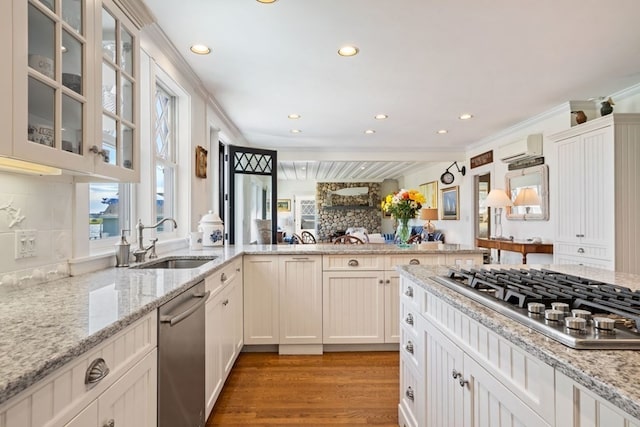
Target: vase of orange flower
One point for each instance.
(403, 205)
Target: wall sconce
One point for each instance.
(447, 177)
(498, 199)
(429, 214)
(527, 197)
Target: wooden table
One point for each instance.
(514, 246)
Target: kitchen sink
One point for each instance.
(176, 262)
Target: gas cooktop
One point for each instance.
(578, 312)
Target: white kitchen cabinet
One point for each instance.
(67, 97)
(300, 300)
(261, 299)
(353, 307)
(223, 328)
(470, 375)
(598, 184)
(577, 406)
(6, 87)
(127, 393)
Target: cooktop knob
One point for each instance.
(585, 314)
(555, 315)
(562, 306)
(575, 323)
(604, 323)
(536, 307)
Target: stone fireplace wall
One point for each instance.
(337, 213)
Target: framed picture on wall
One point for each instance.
(450, 202)
(284, 205)
(430, 192)
(201, 162)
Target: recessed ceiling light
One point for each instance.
(348, 51)
(442, 131)
(266, 1)
(380, 116)
(295, 131)
(200, 49)
(369, 131)
(294, 116)
(465, 116)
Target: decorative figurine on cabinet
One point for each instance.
(607, 107)
(581, 117)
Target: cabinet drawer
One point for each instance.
(412, 397)
(411, 294)
(217, 280)
(409, 317)
(583, 251)
(60, 396)
(464, 259)
(392, 261)
(587, 262)
(352, 262)
(411, 347)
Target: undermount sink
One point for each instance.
(176, 262)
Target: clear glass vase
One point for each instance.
(403, 233)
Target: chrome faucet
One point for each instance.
(140, 253)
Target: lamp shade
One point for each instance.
(527, 197)
(429, 214)
(497, 198)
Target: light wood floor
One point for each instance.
(348, 389)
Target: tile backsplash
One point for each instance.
(43, 204)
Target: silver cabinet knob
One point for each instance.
(223, 277)
(409, 393)
(409, 319)
(353, 263)
(409, 347)
(381, 281)
(414, 261)
(455, 374)
(225, 302)
(580, 250)
(110, 423)
(579, 235)
(409, 292)
(463, 382)
(96, 371)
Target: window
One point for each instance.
(108, 210)
(165, 158)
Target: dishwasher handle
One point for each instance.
(174, 320)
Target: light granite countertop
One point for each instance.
(611, 374)
(47, 325)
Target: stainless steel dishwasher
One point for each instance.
(181, 400)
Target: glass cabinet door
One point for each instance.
(56, 102)
(118, 86)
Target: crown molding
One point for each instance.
(137, 11)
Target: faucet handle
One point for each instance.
(152, 249)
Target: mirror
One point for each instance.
(529, 192)
(482, 183)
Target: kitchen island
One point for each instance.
(47, 326)
(494, 359)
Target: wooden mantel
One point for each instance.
(523, 248)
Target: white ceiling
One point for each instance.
(422, 62)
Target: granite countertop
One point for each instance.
(610, 374)
(47, 325)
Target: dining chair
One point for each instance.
(348, 239)
(307, 237)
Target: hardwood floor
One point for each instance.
(348, 389)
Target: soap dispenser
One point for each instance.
(122, 251)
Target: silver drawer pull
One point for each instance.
(353, 263)
(414, 262)
(409, 292)
(409, 319)
(463, 382)
(96, 371)
(455, 374)
(110, 423)
(223, 277)
(409, 347)
(225, 302)
(580, 250)
(409, 393)
(579, 235)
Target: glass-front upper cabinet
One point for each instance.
(74, 108)
(6, 88)
(118, 112)
(51, 103)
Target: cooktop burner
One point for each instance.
(578, 312)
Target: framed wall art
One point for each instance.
(430, 192)
(284, 205)
(450, 202)
(201, 162)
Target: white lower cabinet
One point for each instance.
(223, 328)
(261, 299)
(576, 406)
(127, 394)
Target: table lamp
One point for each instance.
(498, 199)
(429, 214)
(527, 197)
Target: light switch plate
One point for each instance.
(26, 243)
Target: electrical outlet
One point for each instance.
(25, 243)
